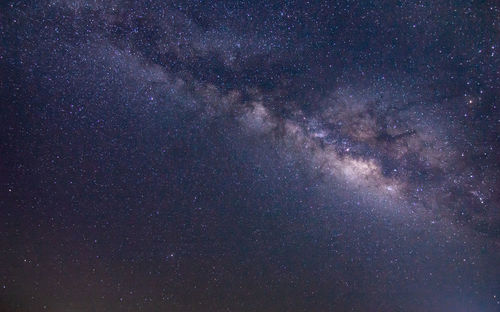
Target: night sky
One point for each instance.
(250, 155)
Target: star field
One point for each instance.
(249, 156)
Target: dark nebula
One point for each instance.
(250, 155)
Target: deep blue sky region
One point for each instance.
(250, 155)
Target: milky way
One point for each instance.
(250, 156)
